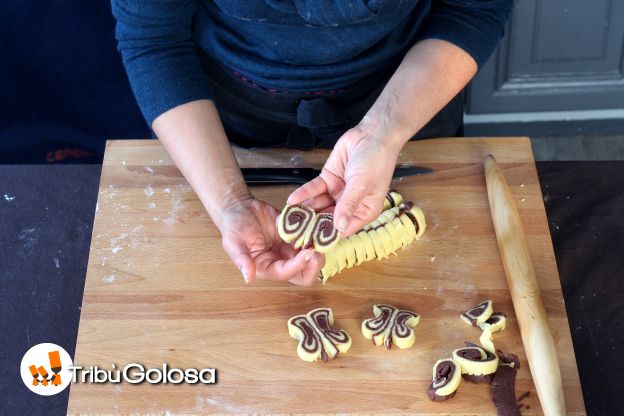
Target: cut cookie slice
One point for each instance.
(446, 379)
(479, 314)
(324, 234)
(295, 224)
(477, 364)
(317, 339)
(391, 326)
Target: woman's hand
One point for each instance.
(355, 178)
(249, 237)
(358, 171)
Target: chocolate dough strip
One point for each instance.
(503, 386)
(446, 379)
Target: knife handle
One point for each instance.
(277, 176)
(525, 292)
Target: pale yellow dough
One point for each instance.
(326, 343)
(394, 228)
(391, 326)
(484, 316)
(477, 368)
(500, 325)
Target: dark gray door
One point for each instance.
(560, 59)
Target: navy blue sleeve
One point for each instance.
(476, 26)
(154, 38)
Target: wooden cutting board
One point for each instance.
(159, 289)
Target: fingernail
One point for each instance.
(309, 255)
(341, 224)
(245, 275)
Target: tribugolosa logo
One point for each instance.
(45, 369)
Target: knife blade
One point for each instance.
(299, 176)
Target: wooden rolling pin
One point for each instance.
(525, 292)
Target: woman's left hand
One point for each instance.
(355, 178)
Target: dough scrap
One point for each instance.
(477, 364)
(479, 314)
(503, 386)
(391, 326)
(317, 339)
(496, 322)
(445, 380)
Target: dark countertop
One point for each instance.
(46, 216)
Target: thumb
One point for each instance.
(238, 252)
(348, 202)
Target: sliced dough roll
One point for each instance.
(393, 199)
(446, 379)
(324, 234)
(295, 224)
(477, 364)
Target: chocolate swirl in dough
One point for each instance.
(324, 235)
(446, 379)
(391, 326)
(317, 338)
(396, 227)
(295, 224)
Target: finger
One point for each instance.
(356, 224)
(347, 203)
(285, 269)
(312, 189)
(286, 251)
(241, 257)
(309, 275)
(369, 209)
(320, 202)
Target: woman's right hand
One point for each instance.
(249, 237)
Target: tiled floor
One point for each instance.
(578, 148)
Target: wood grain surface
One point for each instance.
(160, 289)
